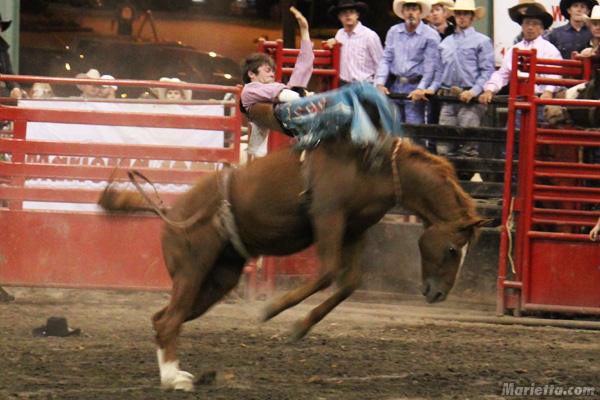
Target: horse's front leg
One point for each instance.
(349, 281)
(329, 232)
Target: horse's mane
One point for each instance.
(448, 173)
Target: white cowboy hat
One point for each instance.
(445, 3)
(595, 15)
(469, 5)
(109, 77)
(162, 92)
(91, 74)
(425, 7)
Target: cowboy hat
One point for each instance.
(469, 5)
(109, 77)
(91, 74)
(445, 3)
(4, 24)
(361, 7)
(425, 7)
(595, 15)
(55, 326)
(566, 4)
(162, 92)
(514, 10)
(535, 12)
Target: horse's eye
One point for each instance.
(452, 251)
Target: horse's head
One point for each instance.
(443, 249)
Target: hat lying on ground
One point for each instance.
(55, 326)
(91, 74)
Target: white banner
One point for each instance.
(505, 29)
(114, 134)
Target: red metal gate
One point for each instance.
(554, 266)
(85, 249)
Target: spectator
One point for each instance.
(6, 65)
(593, 23)
(108, 91)
(41, 91)
(173, 94)
(574, 36)
(89, 91)
(441, 19)
(125, 15)
(361, 46)
(520, 8)
(533, 22)
(443, 22)
(409, 58)
(466, 63)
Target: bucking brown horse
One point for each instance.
(283, 203)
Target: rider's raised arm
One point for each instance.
(304, 63)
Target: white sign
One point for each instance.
(113, 134)
(505, 29)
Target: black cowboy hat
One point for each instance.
(361, 7)
(566, 4)
(4, 24)
(535, 12)
(55, 326)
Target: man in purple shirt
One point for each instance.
(409, 58)
(361, 47)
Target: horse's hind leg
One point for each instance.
(330, 231)
(188, 270)
(349, 281)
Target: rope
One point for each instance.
(396, 174)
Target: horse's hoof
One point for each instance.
(300, 330)
(269, 312)
(181, 381)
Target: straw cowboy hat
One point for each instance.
(469, 5)
(566, 4)
(162, 92)
(361, 7)
(535, 12)
(91, 74)
(445, 3)
(595, 15)
(4, 24)
(514, 10)
(425, 7)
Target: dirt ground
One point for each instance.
(361, 351)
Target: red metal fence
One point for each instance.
(86, 249)
(547, 263)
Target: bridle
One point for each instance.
(395, 173)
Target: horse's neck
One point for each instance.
(429, 194)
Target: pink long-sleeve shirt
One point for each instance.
(255, 92)
(501, 77)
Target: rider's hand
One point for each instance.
(486, 97)
(302, 22)
(383, 89)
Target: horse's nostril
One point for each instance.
(437, 297)
(424, 288)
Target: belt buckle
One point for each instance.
(403, 80)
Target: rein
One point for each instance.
(395, 173)
(178, 224)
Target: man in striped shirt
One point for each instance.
(361, 47)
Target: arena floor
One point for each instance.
(361, 351)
